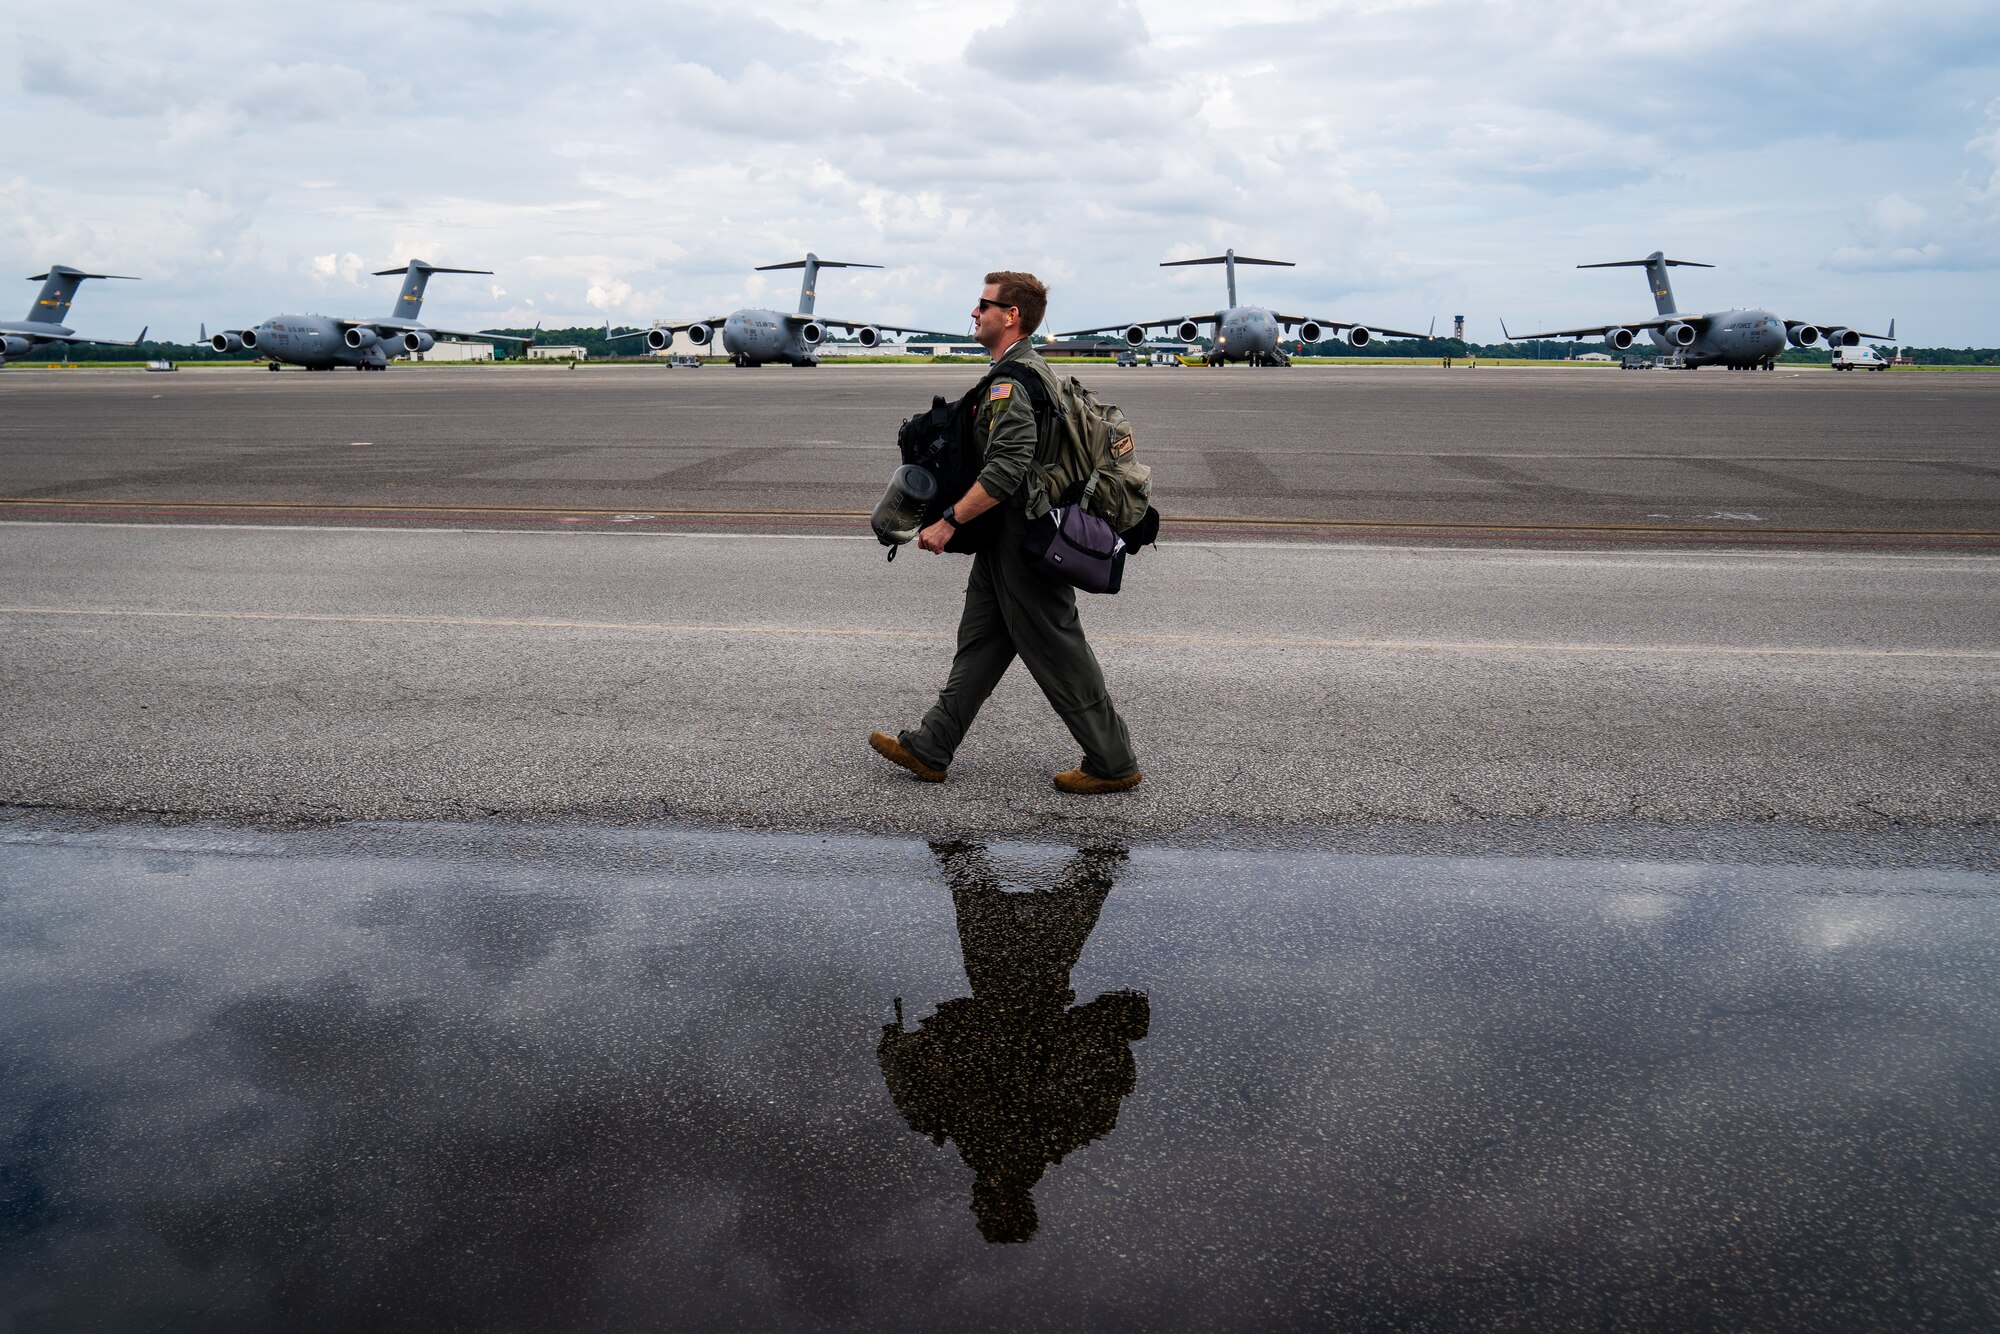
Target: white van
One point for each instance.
(1858, 359)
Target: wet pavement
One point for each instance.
(456, 1076)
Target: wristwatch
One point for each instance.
(949, 517)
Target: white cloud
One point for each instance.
(307, 92)
(1045, 41)
(1893, 235)
(1986, 144)
(346, 268)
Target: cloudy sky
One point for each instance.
(634, 161)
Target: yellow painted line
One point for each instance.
(475, 622)
(290, 506)
(1172, 521)
(1282, 642)
(1738, 530)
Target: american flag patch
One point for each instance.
(1004, 389)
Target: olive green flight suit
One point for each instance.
(1011, 610)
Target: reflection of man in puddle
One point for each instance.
(1013, 1074)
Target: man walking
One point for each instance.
(1010, 609)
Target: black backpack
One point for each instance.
(941, 441)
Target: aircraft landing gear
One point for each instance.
(273, 366)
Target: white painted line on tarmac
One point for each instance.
(1482, 553)
(1283, 643)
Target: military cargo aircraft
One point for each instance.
(322, 343)
(1245, 333)
(753, 337)
(44, 322)
(1738, 339)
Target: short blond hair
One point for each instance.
(1025, 292)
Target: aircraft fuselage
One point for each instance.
(315, 342)
(1245, 333)
(1734, 338)
(753, 337)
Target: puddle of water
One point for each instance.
(451, 1077)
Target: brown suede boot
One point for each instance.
(894, 751)
(1090, 785)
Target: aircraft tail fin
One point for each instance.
(59, 286)
(1656, 266)
(1229, 259)
(812, 264)
(415, 275)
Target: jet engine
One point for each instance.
(14, 347)
(418, 341)
(1680, 335)
(813, 332)
(1842, 338)
(1312, 331)
(358, 338)
(1187, 331)
(700, 334)
(1135, 334)
(1618, 340)
(1358, 336)
(870, 336)
(662, 339)
(229, 342)
(1802, 335)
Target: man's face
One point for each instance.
(993, 323)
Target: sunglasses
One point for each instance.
(985, 305)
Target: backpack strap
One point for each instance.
(1038, 400)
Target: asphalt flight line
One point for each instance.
(1187, 524)
(1284, 643)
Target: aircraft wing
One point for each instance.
(1889, 337)
(1698, 322)
(394, 326)
(1166, 323)
(1338, 325)
(434, 331)
(887, 328)
(713, 322)
(121, 342)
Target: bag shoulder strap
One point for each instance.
(1039, 399)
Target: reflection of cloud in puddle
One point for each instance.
(1830, 927)
(1640, 907)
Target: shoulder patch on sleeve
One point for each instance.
(1004, 389)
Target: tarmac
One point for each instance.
(1561, 595)
(1528, 456)
(307, 674)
